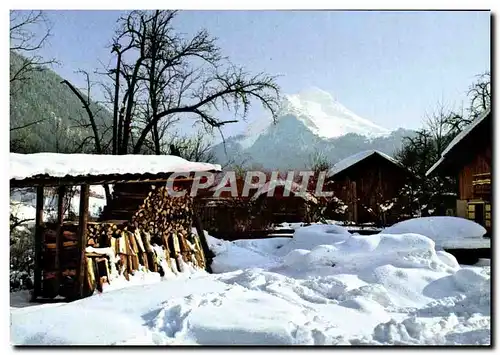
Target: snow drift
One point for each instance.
(324, 286)
(446, 232)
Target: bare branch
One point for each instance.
(29, 32)
(26, 125)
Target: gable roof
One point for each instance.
(355, 159)
(457, 140)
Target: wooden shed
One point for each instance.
(224, 212)
(230, 217)
(146, 228)
(369, 183)
(469, 158)
(285, 203)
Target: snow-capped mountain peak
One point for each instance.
(326, 117)
(321, 113)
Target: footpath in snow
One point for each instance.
(324, 286)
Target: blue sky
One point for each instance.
(388, 67)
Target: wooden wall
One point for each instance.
(372, 181)
(480, 164)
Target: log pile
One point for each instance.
(156, 235)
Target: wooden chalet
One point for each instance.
(142, 228)
(469, 158)
(366, 181)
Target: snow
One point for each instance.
(59, 165)
(327, 117)
(321, 113)
(324, 286)
(356, 158)
(458, 138)
(446, 231)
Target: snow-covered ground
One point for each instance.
(324, 286)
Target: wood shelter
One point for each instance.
(469, 158)
(72, 259)
(368, 183)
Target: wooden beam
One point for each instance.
(37, 290)
(82, 237)
(355, 201)
(59, 238)
(47, 180)
(204, 245)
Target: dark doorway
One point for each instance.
(479, 214)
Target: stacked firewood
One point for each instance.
(168, 220)
(121, 246)
(68, 259)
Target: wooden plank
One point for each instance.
(204, 245)
(82, 236)
(59, 240)
(37, 291)
(47, 180)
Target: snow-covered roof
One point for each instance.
(356, 158)
(294, 188)
(457, 139)
(24, 166)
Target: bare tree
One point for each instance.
(318, 162)
(419, 152)
(97, 132)
(442, 125)
(480, 95)
(195, 148)
(29, 32)
(162, 76)
(86, 103)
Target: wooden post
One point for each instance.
(355, 201)
(59, 240)
(204, 245)
(82, 237)
(37, 290)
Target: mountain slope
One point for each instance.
(309, 122)
(326, 117)
(44, 98)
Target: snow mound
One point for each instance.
(311, 236)
(264, 246)
(356, 252)
(447, 232)
(230, 257)
(296, 258)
